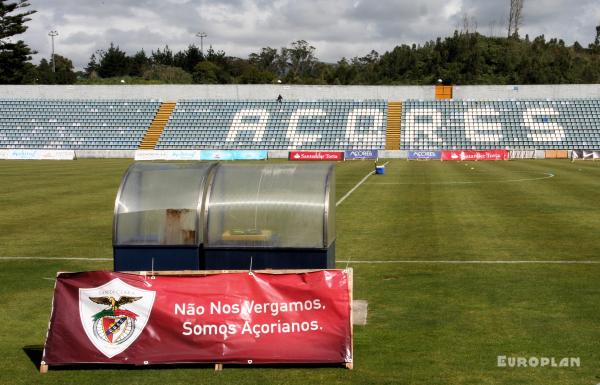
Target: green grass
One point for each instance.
(428, 323)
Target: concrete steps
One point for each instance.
(157, 126)
(392, 135)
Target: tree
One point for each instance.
(217, 57)
(188, 58)
(252, 75)
(64, 71)
(265, 60)
(164, 57)
(301, 59)
(595, 46)
(167, 74)
(344, 73)
(14, 56)
(113, 62)
(206, 72)
(139, 63)
(515, 17)
(246, 72)
(92, 67)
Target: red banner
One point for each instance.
(316, 155)
(475, 155)
(109, 317)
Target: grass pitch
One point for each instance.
(428, 323)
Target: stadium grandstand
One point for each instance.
(74, 124)
(398, 124)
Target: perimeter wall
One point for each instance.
(301, 92)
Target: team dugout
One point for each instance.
(190, 216)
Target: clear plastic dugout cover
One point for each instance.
(160, 204)
(271, 206)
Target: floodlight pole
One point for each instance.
(52, 34)
(201, 35)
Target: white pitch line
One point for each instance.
(505, 262)
(355, 187)
(547, 176)
(408, 261)
(54, 259)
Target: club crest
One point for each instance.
(114, 315)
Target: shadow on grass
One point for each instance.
(34, 353)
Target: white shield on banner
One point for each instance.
(114, 315)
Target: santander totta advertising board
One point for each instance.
(316, 155)
(462, 155)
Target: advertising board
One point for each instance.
(37, 154)
(360, 154)
(463, 155)
(316, 155)
(200, 155)
(424, 154)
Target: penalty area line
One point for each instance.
(505, 262)
(355, 187)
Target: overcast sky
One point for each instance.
(337, 28)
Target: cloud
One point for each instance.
(337, 28)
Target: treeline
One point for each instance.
(464, 58)
(294, 64)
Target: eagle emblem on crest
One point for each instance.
(113, 315)
(114, 325)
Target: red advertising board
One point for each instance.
(475, 155)
(110, 317)
(316, 155)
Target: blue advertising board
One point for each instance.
(233, 155)
(361, 154)
(250, 155)
(424, 154)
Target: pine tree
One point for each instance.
(92, 67)
(139, 63)
(113, 62)
(14, 56)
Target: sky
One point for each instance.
(336, 28)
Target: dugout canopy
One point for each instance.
(271, 205)
(161, 204)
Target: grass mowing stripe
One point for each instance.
(552, 218)
(483, 262)
(527, 219)
(447, 325)
(458, 222)
(58, 208)
(373, 223)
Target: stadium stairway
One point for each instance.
(157, 126)
(392, 137)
